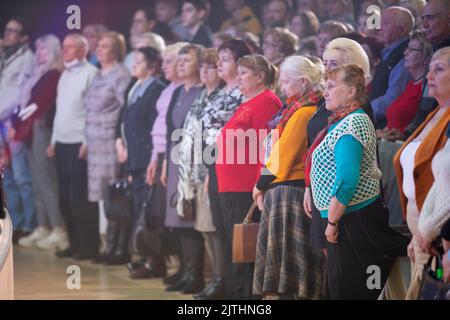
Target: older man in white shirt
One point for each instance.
(69, 148)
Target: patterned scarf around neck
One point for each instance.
(338, 115)
(293, 104)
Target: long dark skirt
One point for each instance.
(359, 264)
(285, 262)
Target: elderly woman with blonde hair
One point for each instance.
(413, 163)
(284, 225)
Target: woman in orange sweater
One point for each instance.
(413, 161)
(284, 226)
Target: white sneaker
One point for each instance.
(38, 234)
(56, 240)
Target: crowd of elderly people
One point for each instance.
(335, 132)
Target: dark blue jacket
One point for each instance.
(135, 126)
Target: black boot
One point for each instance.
(194, 284)
(215, 291)
(174, 278)
(195, 250)
(112, 233)
(179, 285)
(121, 254)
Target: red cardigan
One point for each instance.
(241, 172)
(44, 95)
(403, 110)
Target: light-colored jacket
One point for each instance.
(436, 209)
(13, 71)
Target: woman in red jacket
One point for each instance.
(238, 164)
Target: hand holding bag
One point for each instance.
(245, 237)
(118, 201)
(433, 287)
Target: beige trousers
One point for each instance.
(421, 257)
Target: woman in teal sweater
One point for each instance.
(345, 181)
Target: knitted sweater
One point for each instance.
(436, 209)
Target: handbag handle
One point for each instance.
(438, 273)
(249, 217)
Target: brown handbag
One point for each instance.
(245, 236)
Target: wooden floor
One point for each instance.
(40, 275)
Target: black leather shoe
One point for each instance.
(132, 265)
(100, 258)
(69, 252)
(142, 272)
(116, 260)
(201, 295)
(173, 279)
(193, 285)
(215, 291)
(179, 286)
(84, 256)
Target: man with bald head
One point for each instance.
(68, 145)
(391, 76)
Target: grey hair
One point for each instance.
(153, 40)
(442, 52)
(53, 45)
(81, 40)
(298, 67)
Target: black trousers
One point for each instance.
(80, 215)
(192, 252)
(238, 277)
(360, 262)
(139, 191)
(214, 202)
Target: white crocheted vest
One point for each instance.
(323, 171)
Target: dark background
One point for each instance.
(49, 16)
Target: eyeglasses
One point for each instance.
(9, 30)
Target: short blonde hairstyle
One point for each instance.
(53, 46)
(297, 67)
(175, 48)
(442, 52)
(119, 44)
(346, 51)
(153, 40)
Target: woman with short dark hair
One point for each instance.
(133, 145)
